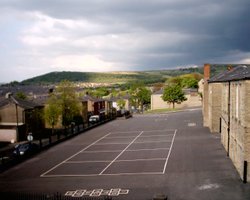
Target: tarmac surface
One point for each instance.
(136, 159)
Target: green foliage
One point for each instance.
(52, 111)
(185, 81)
(63, 103)
(121, 103)
(118, 78)
(140, 95)
(173, 94)
(21, 95)
(68, 102)
(100, 92)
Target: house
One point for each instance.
(227, 110)
(193, 100)
(18, 118)
(126, 99)
(95, 106)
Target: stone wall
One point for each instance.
(239, 132)
(193, 100)
(8, 114)
(214, 106)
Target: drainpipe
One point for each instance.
(245, 172)
(229, 113)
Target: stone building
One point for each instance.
(228, 112)
(18, 118)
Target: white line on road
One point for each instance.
(120, 154)
(44, 174)
(156, 149)
(165, 166)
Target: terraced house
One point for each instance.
(19, 117)
(226, 110)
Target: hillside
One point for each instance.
(87, 77)
(147, 77)
(111, 77)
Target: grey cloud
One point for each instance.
(151, 33)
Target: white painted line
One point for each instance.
(119, 132)
(139, 173)
(164, 130)
(108, 161)
(136, 160)
(156, 149)
(169, 153)
(120, 154)
(191, 124)
(44, 174)
(154, 130)
(147, 136)
(89, 161)
(98, 175)
(163, 141)
(109, 151)
(111, 143)
(117, 137)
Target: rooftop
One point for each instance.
(241, 72)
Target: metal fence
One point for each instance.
(7, 160)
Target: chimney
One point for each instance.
(206, 71)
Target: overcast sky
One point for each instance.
(41, 36)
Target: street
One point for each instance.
(135, 159)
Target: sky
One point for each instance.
(41, 36)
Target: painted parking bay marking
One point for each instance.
(191, 124)
(97, 192)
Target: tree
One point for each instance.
(100, 92)
(140, 95)
(21, 95)
(121, 103)
(173, 94)
(144, 96)
(68, 102)
(189, 82)
(52, 111)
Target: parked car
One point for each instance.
(94, 119)
(25, 149)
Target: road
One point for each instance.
(137, 158)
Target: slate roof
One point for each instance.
(90, 98)
(20, 102)
(159, 91)
(241, 72)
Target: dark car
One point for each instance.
(25, 149)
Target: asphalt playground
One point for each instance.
(120, 153)
(138, 158)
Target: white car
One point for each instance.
(94, 119)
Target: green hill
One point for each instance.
(147, 77)
(112, 77)
(152, 76)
